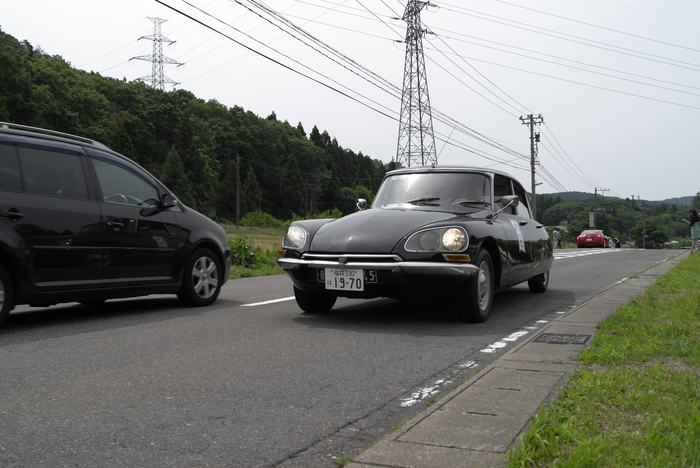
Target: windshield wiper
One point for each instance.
(467, 201)
(425, 201)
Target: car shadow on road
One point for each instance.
(26, 324)
(515, 307)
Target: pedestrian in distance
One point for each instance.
(694, 221)
(557, 238)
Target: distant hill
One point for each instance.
(566, 196)
(681, 201)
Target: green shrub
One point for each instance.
(260, 219)
(242, 253)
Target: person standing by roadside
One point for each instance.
(557, 238)
(694, 221)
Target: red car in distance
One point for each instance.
(593, 238)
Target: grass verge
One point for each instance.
(634, 399)
(254, 250)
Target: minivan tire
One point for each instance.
(201, 281)
(6, 294)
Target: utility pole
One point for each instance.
(530, 121)
(238, 191)
(157, 78)
(595, 195)
(416, 143)
(644, 221)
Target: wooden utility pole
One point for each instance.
(238, 191)
(530, 121)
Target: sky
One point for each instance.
(616, 82)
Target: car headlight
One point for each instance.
(295, 237)
(452, 239)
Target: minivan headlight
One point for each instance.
(295, 237)
(451, 239)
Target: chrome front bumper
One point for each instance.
(409, 268)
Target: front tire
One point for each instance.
(201, 282)
(539, 283)
(313, 303)
(475, 297)
(6, 295)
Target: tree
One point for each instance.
(696, 201)
(649, 234)
(174, 177)
(204, 180)
(251, 195)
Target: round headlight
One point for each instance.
(295, 237)
(454, 239)
(429, 240)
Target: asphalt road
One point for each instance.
(250, 381)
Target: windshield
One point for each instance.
(446, 189)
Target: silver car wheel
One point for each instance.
(205, 277)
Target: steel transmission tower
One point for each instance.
(416, 144)
(157, 78)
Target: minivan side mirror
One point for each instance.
(361, 204)
(168, 201)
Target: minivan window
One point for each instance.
(9, 169)
(122, 186)
(52, 172)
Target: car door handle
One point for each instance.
(522, 223)
(13, 215)
(144, 228)
(539, 226)
(115, 224)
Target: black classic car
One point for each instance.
(432, 233)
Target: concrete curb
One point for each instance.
(476, 424)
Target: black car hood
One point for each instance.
(372, 231)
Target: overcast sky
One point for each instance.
(617, 82)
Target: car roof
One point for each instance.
(36, 132)
(434, 168)
(26, 131)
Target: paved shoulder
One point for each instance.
(475, 425)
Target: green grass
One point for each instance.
(254, 250)
(634, 400)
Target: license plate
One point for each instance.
(344, 280)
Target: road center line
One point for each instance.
(269, 302)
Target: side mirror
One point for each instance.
(168, 201)
(509, 200)
(361, 204)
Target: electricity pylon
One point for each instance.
(416, 144)
(157, 78)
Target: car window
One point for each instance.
(9, 169)
(120, 185)
(52, 172)
(522, 208)
(501, 188)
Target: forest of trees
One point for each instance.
(190, 144)
(193, 146)
(642, 223)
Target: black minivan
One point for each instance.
(82, 223)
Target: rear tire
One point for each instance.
(313, 303)
(6, 295)
(201, 282)
(539, 283)
(475, 297)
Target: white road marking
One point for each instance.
(269, 302)
(570, 253)
(494, 347)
